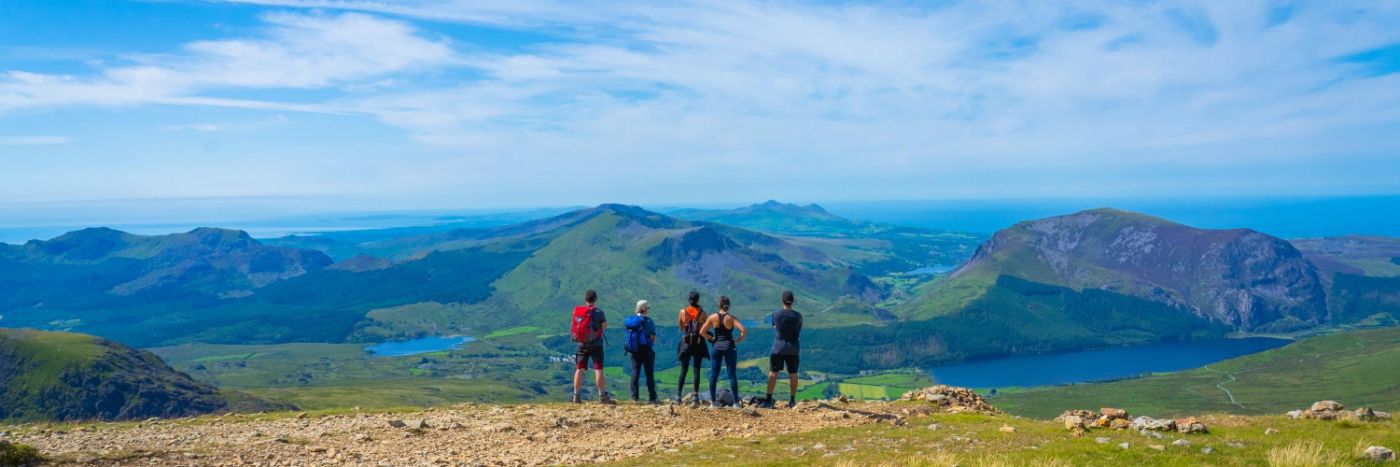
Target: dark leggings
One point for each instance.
(644, 364)
(689, 360)
(728, 358)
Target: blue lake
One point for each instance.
(1096, 365)
(417, 346)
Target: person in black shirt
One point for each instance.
(787, 325)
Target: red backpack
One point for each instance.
(584, 330)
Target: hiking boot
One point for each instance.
(577, 399)
(679, 399)
(606, 398)
(654, 402)
(791, 404)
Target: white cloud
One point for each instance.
(296, 52)
(33, 140)
(276, 120)
(917, 99)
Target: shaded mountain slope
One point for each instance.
(1242, 278)
(62, 376)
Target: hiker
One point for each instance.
(692, 350)
(587, 330)
(719, 329)
(787, 326)
(641, 336)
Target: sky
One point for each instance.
(425, 104)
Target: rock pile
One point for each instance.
(1333, 410)
(951, 399)
(1108, 417)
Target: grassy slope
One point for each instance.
(1356, 368)
(64, 376)
(972, 440)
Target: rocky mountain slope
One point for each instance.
(62, 376)
(1241, 278)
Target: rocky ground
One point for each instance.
(458, 435)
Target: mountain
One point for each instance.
(460, 281)
(873, 248)
(627, 253)
(1241, 278)
(208, 261)
(64, 376)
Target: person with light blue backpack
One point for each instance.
(640, 344)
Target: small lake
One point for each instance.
(417, 346)
(1097, 365)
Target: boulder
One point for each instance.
(1378, 454)
(1365, 414)
(1101, 422)
(1327, 406)
(1190, 425)
(1083, 414)
(1382, 416)
(1294, 414)
(397, 423)
(1073, 422)
(1270, 432)
(1120, 424)
(1008, 429)
(1181, 443)
(1153, 424)
(416, 424)
(1112, 413)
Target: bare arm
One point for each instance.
(705, 328)
(740, 326)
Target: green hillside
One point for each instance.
(874, 248)
(64, 376)
(1357, 368)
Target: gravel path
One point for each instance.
(459, 435)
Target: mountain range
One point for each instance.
(1098, 277)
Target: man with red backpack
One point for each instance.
(587, 330)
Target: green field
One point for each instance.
(1355, 368)
(974, 440)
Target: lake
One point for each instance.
(417, 346)
(1097, 365)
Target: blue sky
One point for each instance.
(459, 104)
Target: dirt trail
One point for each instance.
(459, 435)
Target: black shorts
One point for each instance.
(587, 352)
(776, 363)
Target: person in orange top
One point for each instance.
(692, 350)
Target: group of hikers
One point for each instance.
(703, 336)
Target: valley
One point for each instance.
(279, 320)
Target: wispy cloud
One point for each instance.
(296, 51)
(821, 91)
(32, 140)
(276, 120)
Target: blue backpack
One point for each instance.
(637, 336)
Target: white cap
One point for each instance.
(641, 304)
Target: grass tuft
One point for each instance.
(1303, 454)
